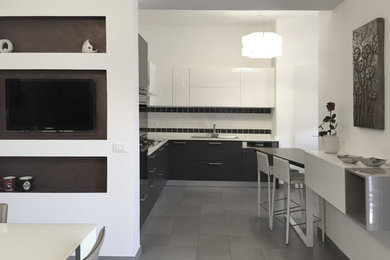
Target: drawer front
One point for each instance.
(216, 150)
(215, 170)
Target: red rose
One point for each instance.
(330, 106)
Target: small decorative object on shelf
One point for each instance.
(25, 183)
(88, 48)
(373, 162)
(6, 46)
(8, 183)
(330, 142)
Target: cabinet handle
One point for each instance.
(144, 196)
(177, 142)
(152, 185)
(215, 163)
(153, 170)
(152, 156)
(215, 143)
(160, 173)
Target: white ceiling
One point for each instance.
(216, 18)
(239, 4)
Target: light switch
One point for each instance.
(119, 148)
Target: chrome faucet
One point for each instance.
(214, 134)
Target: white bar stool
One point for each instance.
(264, 166)
(282, 172)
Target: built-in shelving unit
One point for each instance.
(53, 34)
(51, 47)
(59, 174)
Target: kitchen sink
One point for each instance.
(218, 137)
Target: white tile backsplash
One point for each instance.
(206, 120)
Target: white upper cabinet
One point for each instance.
(163, 85)
(215, 77)
(152, 84)
(181, 86)
(215, 97)
(258, 87)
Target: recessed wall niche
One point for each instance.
(53, 34)
(98, 76)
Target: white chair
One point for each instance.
(94, 253)
(282, 172)
(264, 166)
(3, 212)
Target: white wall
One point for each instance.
(118, 209)
(207, 46)
(293, 90)
(336, 85)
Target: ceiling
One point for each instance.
(239, 4)
(216, 18)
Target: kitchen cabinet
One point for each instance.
(257, 87)
(180, 154)
(152, 83)
(214, 77)
(219, 87)
(158, 170)
(206, 160)
(215, 97)
(181, 86)
(163, 86)
(143, 63)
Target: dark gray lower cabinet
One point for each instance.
(158, 170)
(215, 170)
(205, 160)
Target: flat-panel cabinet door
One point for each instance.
(258, 87)
(152, 84)
(217, 97)
(164, 85)
(181, 86)
(215, 77)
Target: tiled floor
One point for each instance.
(218, 223)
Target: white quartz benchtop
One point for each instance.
(361, 169)
(161, 142)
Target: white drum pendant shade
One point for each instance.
(264, 45)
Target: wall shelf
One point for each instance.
(59, 174)
(53, 34)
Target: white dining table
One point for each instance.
(43, 241)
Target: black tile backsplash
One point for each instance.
(208, 130)
(210, 110)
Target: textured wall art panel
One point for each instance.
(368, 75)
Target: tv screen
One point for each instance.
(50, 104)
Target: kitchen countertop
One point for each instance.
(163, 141)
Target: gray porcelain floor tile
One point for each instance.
(189, 238)
(244, 242)
(246, 254)
(213, 229)
(169, 253)
(213, 253)
(158, 226)
(154, 240)
(212, 209)
(298, 254)
(214, 241)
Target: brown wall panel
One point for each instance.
(59, 174)
(53, 34)
(100, 78)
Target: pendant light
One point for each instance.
(262, 45)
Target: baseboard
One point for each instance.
(243, 184)
(136, 257)
(332, 245)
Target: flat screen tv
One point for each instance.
(50, 104)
